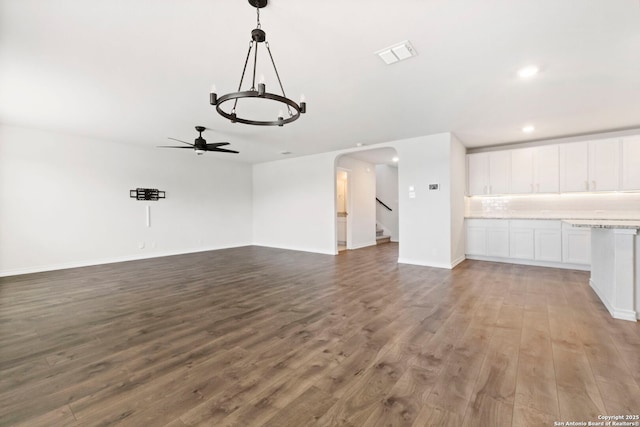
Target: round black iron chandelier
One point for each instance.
(294, 110)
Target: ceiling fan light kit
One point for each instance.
(257, 91)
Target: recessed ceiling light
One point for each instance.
(359, 144)
(395, 159)
(528, 129)
(528, 72)
(285, 153)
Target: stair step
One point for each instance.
(382, 239)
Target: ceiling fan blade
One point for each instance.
(184, 142)
(222, 150)
(173, 146)
(217, 144)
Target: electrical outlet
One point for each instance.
(434, 186)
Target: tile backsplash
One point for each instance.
(567, 205)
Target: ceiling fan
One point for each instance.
(200, 144)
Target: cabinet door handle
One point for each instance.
(594, 185)
(532, 188)
(484, 189)
(586, 185)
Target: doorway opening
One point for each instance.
(342, 207)
(366, 202)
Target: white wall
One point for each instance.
(425, 221)
(458, 187)
(294, 204)
(361, 228)
(387, 191)
(64, 201)
(294, 201)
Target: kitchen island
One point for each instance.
(615, 265)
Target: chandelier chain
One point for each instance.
(244, 70)
(277, 75)
(258, 17)
(255, 64)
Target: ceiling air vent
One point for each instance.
(397, 52)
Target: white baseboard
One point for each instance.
(616, 313)
(363, 245)
(531, 262)
(101, 261)
(424, 264)
(293, 248)
(457, 261)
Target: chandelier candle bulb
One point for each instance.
(303, 104)
(261, 89)
(213, 98)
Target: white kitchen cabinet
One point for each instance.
(546, 169)
(631, 163)
(535, 170)
(521, 239)
(604, 165)
(476, 240)
(574, 167)
(498, 239)
(590, 166)
(548, 245)
(488, 237)
(527, 241)
(522, 180)
(576, 245)
(478, 173)
(488, 173)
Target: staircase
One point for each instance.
(380, 237)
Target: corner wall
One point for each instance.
(294, 204)
(64, 202)
(294, 201)
(458, 191)
(425, 219)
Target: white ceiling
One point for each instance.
(139, 71)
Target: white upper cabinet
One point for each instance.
(604, 165)
(590, 166)
(631, 163)
(478, 173)
(546, 169)
(535, 170)
(574, 167)
(599, 165)
(522, 171)
(488, 173)
(499, 171)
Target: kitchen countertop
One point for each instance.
(604, 223)
(556, 218)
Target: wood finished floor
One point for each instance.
(258, 336)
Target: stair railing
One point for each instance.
(383, 204)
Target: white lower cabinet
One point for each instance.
(549, 245)
(576, 244)
(521, 239)
(538, 242)
(498, 240)
(476, 240)
(488, 237)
